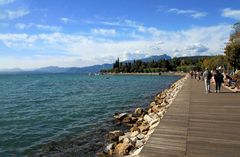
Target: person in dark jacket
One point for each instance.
(218, 77)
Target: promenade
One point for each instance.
(198, 125)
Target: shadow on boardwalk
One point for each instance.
(198, 125)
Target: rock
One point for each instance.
(126, 135)
(163, 104)
(149, 110)
(134, 119)
(155, 108)
(138, 111)
(140, 136)
(127, 120)
(134, 128)
(144, 127)
(126, 140)
(154, 125)
(147, 118)
(109, 148)
(139, 144)
(113, 135)
(101, 154)
(120, 116)
(158, 101)
(123, 148)
(134, 134)
(153, 122)
(136, 151)
(152, 104)
(163, 95)
(133, 139)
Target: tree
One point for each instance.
(232, 49)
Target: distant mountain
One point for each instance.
(13, 70)
(156, 58)
(151, 58)
(51, 69)
(94, 68)
(73, 70)
(79, 70)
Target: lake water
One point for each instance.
(67, 114)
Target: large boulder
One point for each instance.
(127, 119)
(152, 104)
(134, 134)
(134, 128)
(138, 111)
(144, 128)
(123, 148)
(139, 144)
(147, 118)
(163, 95)
(109, 148)
(140, 136)
(155, 109)
(114, 135)
(120, 116)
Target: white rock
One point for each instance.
(154, 125)
(108, 147)
(136, 152)
(139, 144)
(133, 139)
(153, 122)
(147, 118)
(134, 134)
(126, 135)
(140, 136)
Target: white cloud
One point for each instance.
(104, 32)
(193, 13)
(3, 2)
(231, 13)
(197, 47)
(137, 54)
(10, 14)
(49, 28)
(83, 50)
(66, 20)
(123, 23)
(23, 26)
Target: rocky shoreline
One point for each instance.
(141, 122)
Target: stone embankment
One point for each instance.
(142, 124)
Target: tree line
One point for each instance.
(176, 64)
(229, 61)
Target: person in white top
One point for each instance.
(207, 75)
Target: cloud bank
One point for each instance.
(101, 48)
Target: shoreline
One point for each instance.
(141, 123)
(149, 74)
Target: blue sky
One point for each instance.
(37, 33)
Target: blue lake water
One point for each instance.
(38, 109)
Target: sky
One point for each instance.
(39, 33)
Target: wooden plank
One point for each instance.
(198, 124)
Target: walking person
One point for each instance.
(207, 75)
(218, 77)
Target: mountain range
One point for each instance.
(79, 70)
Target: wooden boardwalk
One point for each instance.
(198, 125)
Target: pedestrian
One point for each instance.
(195, 74)
(199, 75)
(218, 77)
(191, 74)
(207, 75)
